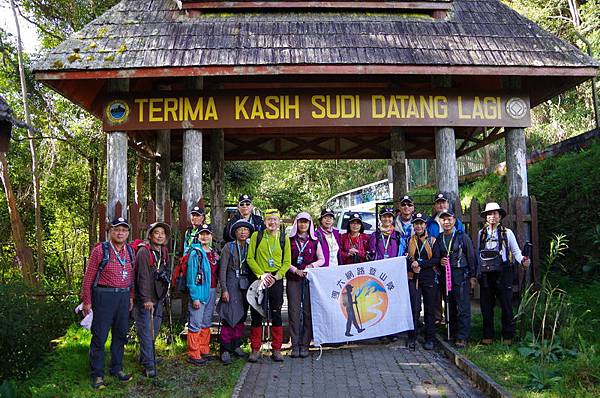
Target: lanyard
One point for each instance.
(387, 244)
(272, 246)
(449, 251)
(122, 261)
(420, 249)
(301, 250)
(240, 252)
(157, 259)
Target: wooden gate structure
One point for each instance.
(191, 80)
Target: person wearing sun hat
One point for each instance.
(354, 243)
(423, 279)
(329, 237)
(151, 284)
(306, 253)
(269, 258)
(497, 247)
(386, 241)
(244, 212)
(235, 277)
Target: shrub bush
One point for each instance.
(27, 327)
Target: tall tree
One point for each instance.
(32, 148)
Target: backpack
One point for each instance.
(178, 278)
(106, 255)
(282, 239)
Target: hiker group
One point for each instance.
(443, 265)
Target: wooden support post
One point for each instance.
(217, 186)
(116, 162)
(163, 166)
(516, 163)
(399, 164)
(116, 172)
(191, 190)
(446, 167)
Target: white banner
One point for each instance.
(359, 301)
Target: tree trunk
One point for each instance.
(93, 188)
(24, 255)
(32, 148)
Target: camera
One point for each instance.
(162, 276)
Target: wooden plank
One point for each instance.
(101, 222)
(167, 213)
(150, 212)
(134, 220)
(535, 241)
(360, 69)
(475, 217)
(270, 5)
(118, 209)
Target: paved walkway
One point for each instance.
(369, 370)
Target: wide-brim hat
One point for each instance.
(205, 228)
(119, 222)
(419, 217)
(386, 210)
(493, 206)
(440, 196)
(157, 224)
(239, 224)
(197, 210)
(244, 199)
(326, 212)
(255, 296)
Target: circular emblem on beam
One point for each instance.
(117, 112)
(516, 108)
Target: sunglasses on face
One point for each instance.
(244, 204)
(406, 204)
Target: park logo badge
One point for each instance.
(117, 112)
(363, 299)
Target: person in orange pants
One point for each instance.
(202, 282)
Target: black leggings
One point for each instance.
(274, 295)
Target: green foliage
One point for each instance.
(29, 323)
(65, 372)
(8, 389)
(541, 378)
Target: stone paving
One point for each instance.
(367, 370)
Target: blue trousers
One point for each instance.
(111, 313)
(143, 323)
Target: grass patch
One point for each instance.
(65, 373)
(578, 376)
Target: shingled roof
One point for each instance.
(156, 33)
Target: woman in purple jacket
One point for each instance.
(306, 253)
(329, 238)
(385, 242)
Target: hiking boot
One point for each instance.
(238, 352)
(295, 352)
(254, 356)
(428, 345)
(198, 361)
(226, 358)
(486, 341)
(150, 373)
(277, 356)
(122, 376)
(304, 352)
(460, 343)
(98, 383)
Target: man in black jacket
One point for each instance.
(244, 212)
(453, 251)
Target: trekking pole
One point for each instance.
(170, 337)
(447, 314)
(302, 309)
(355, 302)
(153, 341)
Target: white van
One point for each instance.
(366, 213)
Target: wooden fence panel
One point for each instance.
(150, 212)
(134, 220)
